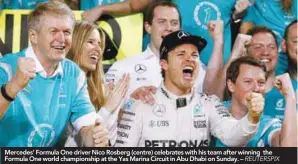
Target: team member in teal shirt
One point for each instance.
(17, 4)
(275, 15)
(196, 15)
(246, 77)
(41, 91)
(263, 46)
(90, 4)
(289, 46)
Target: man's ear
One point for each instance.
(163, 64)
(283, 45)
(33, 36)
(231, 86)
(147, 28)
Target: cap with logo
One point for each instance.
(180, 37)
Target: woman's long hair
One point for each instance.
(95, 79)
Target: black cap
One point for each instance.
(180, 37)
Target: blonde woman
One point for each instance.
(87, 51)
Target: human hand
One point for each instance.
(92, 15)
(100, 135)
(116, 93)
(284, 85)
(216, 30)
(240, 46)
(255, 105)
(145, 94)
(25, 72)
(242, 5)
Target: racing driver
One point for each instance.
(181, 117)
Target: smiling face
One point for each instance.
(290, 43)
(250, 79)
(181, 68)
(263, 47)
(164, 22)
(53, 40)
(91, 52)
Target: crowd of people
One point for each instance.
(192, 84)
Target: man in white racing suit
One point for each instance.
(180, 116)
(162, 19)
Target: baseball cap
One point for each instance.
(180, 37)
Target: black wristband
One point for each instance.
(4, 94)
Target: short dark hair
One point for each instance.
(150, 11)
(288, 28)
(262, 29)
(234, 68)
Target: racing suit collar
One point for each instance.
(180, 101)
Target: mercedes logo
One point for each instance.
(151, 124)
(140, 68)
(182, 34)
(159, 110)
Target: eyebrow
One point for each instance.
(93, 39)
(161, 19)
(183, 51)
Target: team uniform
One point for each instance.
(71, 138)
(269, 13)
(40, 112)
(17, 4)
(268, 126)
(89, 4)
(275, 102)
(185, 121)
(197, 13)
(144, 70)
(109, 120)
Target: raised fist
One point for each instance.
(241, 6)
(284, 85)
(216, 29)
(25, 72)
(241, 42)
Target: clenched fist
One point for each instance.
(240, 8)
(216, 30)
(241, 42)
(255, 105)
(242, 5)
(284, 85)
(25, 72)
(95, 135)
(100, 135)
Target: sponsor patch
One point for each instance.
(129, 104)
(200, 124)
(159, 110)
